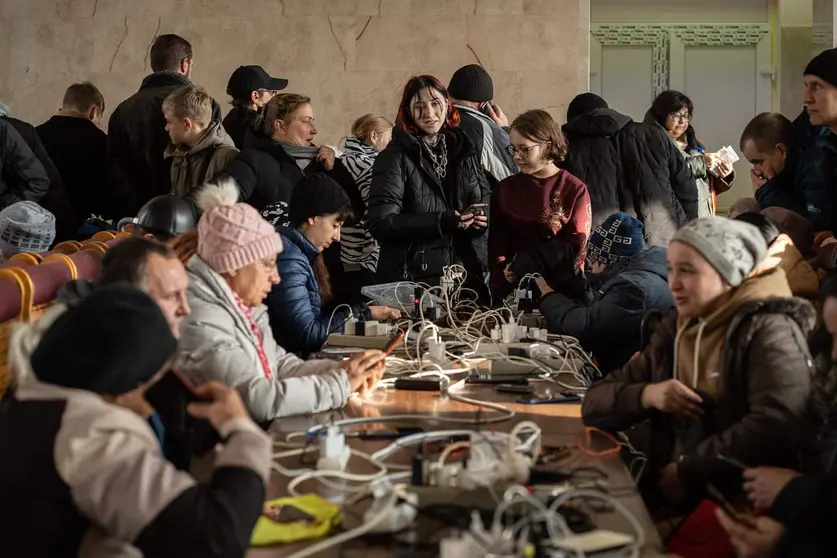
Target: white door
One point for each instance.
(724, 69)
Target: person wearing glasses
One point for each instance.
(674, 111)
(540, 217)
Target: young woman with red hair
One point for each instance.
(424, 186)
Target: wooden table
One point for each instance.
(560, 425)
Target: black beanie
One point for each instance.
(471, 83)
(111, 342)
(824, 66)
(584, 103)
(316, 195)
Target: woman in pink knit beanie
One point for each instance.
(227, 337)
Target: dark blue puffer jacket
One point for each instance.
(610, 325)
(816, 171)
(299, 323)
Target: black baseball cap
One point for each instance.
(247, 79)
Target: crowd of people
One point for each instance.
(251, 244)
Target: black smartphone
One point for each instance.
(562, 398)
(515, 388)
(716, 496)
(484, 107)
(732, 461)
(497, 379)
(476, 209)
(188, 388)
(418, 384)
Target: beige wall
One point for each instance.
(350, 56)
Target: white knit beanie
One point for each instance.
(26, 227)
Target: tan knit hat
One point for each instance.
(232, 235)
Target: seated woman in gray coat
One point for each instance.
(227, 336)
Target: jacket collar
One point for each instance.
(208, 286)
(214, 136)
(164, 78)
(477, 114)
(296, 237)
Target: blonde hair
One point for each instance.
(192, 102)
(280, 107)
(368, 123)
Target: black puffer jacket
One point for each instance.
(266, 174)
(237, 122)
(407, 202)
(55, 200)
(137, 139)
(22, 176)
(631, 167)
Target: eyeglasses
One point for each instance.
(523, 149)
(682, 116)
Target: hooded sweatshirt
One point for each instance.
(698, 344)
(193, 166)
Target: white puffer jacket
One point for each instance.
(216, 343)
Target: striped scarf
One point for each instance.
(358, 248)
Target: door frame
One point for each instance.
(668, 44)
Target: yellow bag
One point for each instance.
(323, 515)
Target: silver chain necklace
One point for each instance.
(440, 162)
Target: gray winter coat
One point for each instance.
(216, 343)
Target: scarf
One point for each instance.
(303, 155)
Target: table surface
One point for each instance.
(560, 425)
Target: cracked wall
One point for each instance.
(350, 56)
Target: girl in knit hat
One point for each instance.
(228, 338)
(727, 373)
(318, 208)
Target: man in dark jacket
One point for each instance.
(786, 163)
(629, 166)
(22, 176)
(625, 283)
(137, 136)
(820, 99)
(55, 200)
(484, 122)
(78, 148)
(250, 88)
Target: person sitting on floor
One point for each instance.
(227, 336)
(318, 208)
(626, 281)
(782, 252)
(82, 473)
(728, 373)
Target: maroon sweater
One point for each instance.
(526, 210)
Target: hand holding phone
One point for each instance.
(218, 404)
(716, 496)
(476, 209)
(362, 367)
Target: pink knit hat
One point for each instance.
(232, 235)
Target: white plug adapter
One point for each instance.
(334, 453)
(399, 517)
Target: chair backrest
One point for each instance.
(68, 247)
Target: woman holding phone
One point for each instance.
(423, 186)
(540, 217)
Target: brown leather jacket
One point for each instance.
(762, 412)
